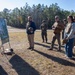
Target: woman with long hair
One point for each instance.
(69, 36)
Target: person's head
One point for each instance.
(74, 18)
(29, 18)
(43, 21)
(70, 19)
(64, 21)
(56, 18)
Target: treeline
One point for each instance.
(18, 17)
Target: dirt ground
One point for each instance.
(40, 61)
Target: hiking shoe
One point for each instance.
(32, 48)
(50, 48)
(59, 50)
(29, 48)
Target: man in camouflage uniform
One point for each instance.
(44, 31)
(57, 27)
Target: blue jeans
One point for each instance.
(69, 47)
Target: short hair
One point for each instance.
(73, 17)
(29, 17)
(64, 19)
(43, 21)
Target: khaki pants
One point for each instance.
(56, 36)
(31, 40)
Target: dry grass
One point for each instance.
(41, 61)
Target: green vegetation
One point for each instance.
(18, 17)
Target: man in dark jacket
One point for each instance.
(30, 29)
(44, 31)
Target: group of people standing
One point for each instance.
(67, 27)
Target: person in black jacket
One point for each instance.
(30, 30)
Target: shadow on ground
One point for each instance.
(45, 45)
(57, 59)
(2, 71)
(22, 67)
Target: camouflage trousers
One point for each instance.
(44, 36)
(56, 36)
